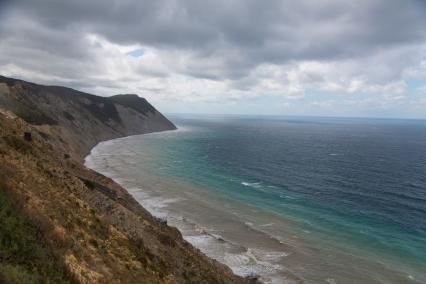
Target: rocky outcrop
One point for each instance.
(81, 120)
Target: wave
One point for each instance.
(244, 261)
(255, 185)
(252, 226)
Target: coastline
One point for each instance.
(160, 216)
(166, 197)
(241, 221)
(89, 228)
(243, 259)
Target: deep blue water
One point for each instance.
(360, 181)
(352, 192)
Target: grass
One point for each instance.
(18, 144)
(34, 116)
(24, 255)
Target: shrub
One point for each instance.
(33, 116)
(18, 144)
(24, 256)
(94, 243)
(89, 184)
(15, 274)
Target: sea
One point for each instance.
(287, 199)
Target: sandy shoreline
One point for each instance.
(217, 233)
(247, 239)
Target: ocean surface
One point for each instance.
(292, 199)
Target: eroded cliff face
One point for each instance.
(63, 223)
(79, 119)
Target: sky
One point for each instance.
(363, 58)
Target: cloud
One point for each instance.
(216, 50)
(422, 90)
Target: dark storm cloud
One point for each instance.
(237, 35)
(247, 24)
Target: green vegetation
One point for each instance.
(89, 184)
(18, 144)
(33, 116)
(23, 257)
(148, 259)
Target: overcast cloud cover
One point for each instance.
(354, 58)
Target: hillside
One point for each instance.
(63, 223)
(79, 119)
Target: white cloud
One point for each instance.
(362, 55)
(421, 90)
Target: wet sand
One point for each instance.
(249, 240)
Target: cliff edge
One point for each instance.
(61, 222)
(79, 119)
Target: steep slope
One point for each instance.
(63, 223)
(81, 120)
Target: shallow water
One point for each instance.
(306, 199)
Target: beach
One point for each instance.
(250, 239)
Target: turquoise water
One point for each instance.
(353, 189)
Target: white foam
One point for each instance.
(271, 255)
(157, 205)
(253, 262)
(252, 184)
(248, 262)
(266, 225)
(217, 237)
(200, 241)
(236, 261)
(255, 185)
(287, 197)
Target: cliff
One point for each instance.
(63, 223)
(79, 119)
